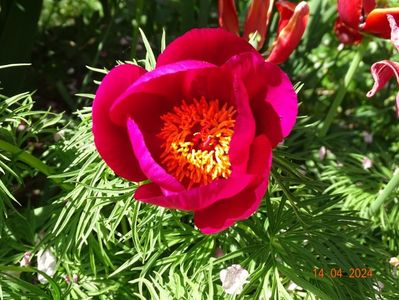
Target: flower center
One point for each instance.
(197, 141)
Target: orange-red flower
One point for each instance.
(356, 17)
(292, 24)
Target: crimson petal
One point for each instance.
(167, 85)
(271, 94)
(213, 45)
(350, 11)
(346, 34)
(368, 6)
(112, 141)
(226, 212)
(382, 71)
(199, 197)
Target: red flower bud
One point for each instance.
(257, 20)
(289, 36)
(228, 18)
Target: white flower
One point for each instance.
(46, 262)
(233, 278)
(367, 163)
(394, 262)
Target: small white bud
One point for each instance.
(25, 261)
(322, 152)
(367, 163)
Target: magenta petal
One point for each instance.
(271, 93)
(112, 141)
(382, 71)
(394, 31)
(212, 45)
(166, 86)
(148, 190)
(226, 212)
(154, 193)
(150, 167)
(282, 97)
(244, 129)
(200, 197)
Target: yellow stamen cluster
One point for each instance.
(197, 140)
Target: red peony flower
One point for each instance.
(200, 126)
(362, 16)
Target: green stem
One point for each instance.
(31, 160)
(387, 191)
(342, 89)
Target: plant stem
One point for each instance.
(342, 89)
(387, 191)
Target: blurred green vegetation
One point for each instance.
(70, 35)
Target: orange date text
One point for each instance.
(338, 272)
